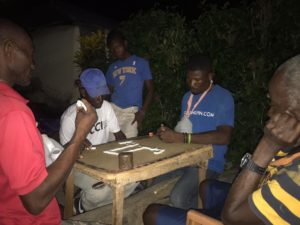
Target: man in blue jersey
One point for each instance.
(126, 78)
(207, 117)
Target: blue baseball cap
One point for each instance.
(94, 82)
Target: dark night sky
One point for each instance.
(34, 12)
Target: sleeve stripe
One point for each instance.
(289, 202)
(265, 210)
(278, 205)
(257, 212)
(287, 180)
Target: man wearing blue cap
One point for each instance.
(93, 87)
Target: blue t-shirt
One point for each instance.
(127, 78)
(216, 109)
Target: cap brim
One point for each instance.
(98, 92)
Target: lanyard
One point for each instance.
(189, 103)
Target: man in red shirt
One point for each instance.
(27, 187)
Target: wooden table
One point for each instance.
(104, 167)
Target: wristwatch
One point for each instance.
(247, 163)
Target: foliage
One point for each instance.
(92, 52)
(247, 44)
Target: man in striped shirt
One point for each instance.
(278, 200)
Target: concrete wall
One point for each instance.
(55, 48)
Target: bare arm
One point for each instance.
(140, 115)
(37, 200)
(282, 128)
(221, 136)
(236, 209)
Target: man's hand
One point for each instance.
(139, 117)
(283, 129)
(86, 145)
(85, 119)
(168, 135)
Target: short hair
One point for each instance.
(200, 62)
(11, 30)
(115, 35)
(290, 71)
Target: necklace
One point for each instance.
(189, 103)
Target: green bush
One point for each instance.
(92, 52)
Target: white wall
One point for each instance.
(55, 48)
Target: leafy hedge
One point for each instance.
(247, 44)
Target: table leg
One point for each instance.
(118, 202)
(202, 176)
(69, 193)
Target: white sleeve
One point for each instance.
(66, 130)
(112, 121)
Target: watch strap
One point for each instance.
(252, 166)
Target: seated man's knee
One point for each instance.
(157, 214)
(150, 214)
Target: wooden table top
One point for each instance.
(99, 160)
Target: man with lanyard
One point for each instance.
(126, 78)
(207, 117)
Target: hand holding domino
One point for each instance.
(80, 105)
(85, 119)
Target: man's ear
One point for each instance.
(82, 92)
(8, 47)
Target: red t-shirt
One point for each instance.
(22, 162)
